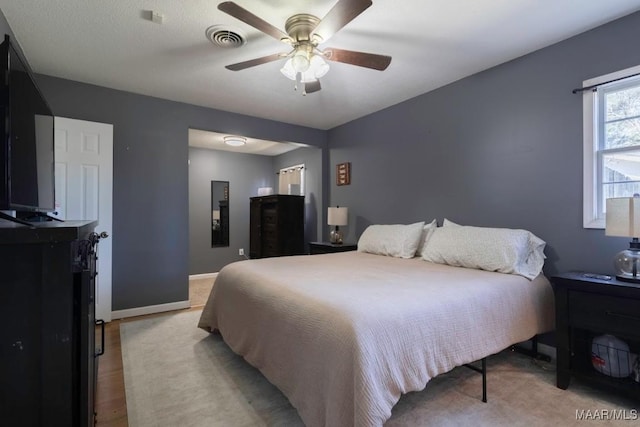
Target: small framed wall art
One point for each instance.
(343, 173)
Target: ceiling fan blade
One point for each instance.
(340, 15)
(311, 87)
(253, 62)
(247, 17)
(361, 59)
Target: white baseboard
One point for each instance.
(203, 276)
(150, 309)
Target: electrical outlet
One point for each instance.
(241, 252)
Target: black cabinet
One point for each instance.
(276, 226)
(588, 307)
(47, 320)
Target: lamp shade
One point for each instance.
(337, 216)
(623, 217)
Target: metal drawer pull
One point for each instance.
(100, 322)
(625, 316)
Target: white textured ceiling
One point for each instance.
(433, 42)
(215, 141)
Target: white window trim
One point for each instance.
(590, 217)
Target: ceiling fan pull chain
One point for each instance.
(298, 80)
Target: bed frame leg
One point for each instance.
(482, 371)
(484, 379)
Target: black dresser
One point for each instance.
(277, 226)
(47, 321)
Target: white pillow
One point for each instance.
(427, 231)
(397, 240)
(494, 249)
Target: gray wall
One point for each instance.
(150, 192)
(245, 173)
(501, 148)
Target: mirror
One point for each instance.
(219, 213)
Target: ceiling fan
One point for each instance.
(306, 62)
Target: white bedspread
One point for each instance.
(344, 335)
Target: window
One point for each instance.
(611, 142)
(291, 180)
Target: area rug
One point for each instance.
(178, 375)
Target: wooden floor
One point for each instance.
(111, 402)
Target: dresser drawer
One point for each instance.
(270, 236)
(269, 229)
(270, 245)
(604, 313)
(270, 217)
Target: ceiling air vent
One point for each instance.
(224, 36)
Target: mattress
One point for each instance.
(344, 335)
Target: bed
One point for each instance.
(344, 335)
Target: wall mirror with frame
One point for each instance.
(219, 213)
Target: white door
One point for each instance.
(84, 186)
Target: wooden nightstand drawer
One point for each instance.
(604, 313)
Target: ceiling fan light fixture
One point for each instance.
(300, 61)
(287, 70)
(304, 33)
(235, 141)
(317, 68)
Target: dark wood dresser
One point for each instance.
(277, 226)
(589, 306)
(47, 323)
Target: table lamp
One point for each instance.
(623, 219)
(337, 216)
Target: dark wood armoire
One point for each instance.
(277, 226)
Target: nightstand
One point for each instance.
(588, 306)
(316, 248)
